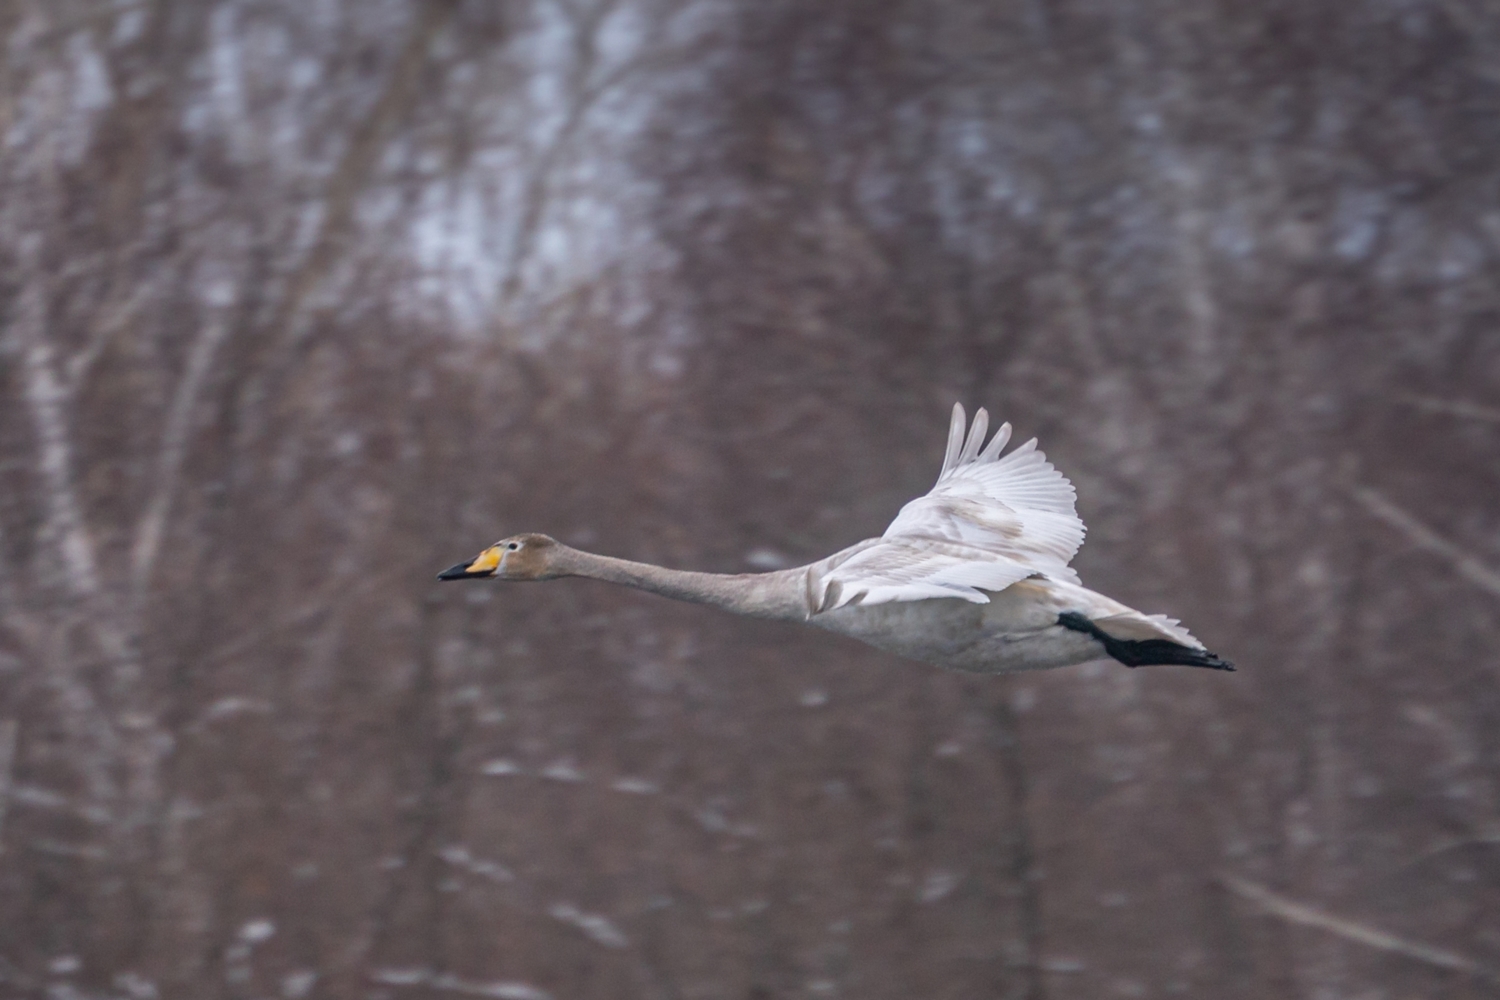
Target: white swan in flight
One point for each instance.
(972, 576)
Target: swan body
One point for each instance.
(973, 575)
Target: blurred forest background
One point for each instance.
(304, 300)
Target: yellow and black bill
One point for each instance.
(483, 565)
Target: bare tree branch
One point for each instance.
(172, 450)
(89, 727)
(1453, 407)
(1309, 916)
(446, 982)
(1457, 843)
(1423, 537)
(102, 334)
(337, 591)
(9, 730)
(360, 157)
(1023, 866)
(534, 202)
(49, 403)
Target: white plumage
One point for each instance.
(997, 530)
(989, 522)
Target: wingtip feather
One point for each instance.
(955, 440)
(991, 450)
(976, 436)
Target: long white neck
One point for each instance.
(760, 595)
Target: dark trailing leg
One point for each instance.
(1144, 652)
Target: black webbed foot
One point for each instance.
(1144, 652)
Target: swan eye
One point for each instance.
(513, 546)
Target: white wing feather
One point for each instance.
(1133, 625)
(989, 522)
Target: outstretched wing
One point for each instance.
(990, 521)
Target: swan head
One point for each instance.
(519, 557)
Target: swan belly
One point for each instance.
(1017, 630)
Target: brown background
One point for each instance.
(303, 301)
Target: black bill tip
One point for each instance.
(459, 572)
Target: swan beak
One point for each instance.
(483, 565)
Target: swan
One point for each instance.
(972, 576)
